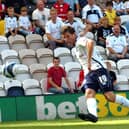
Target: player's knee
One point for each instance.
(90, 93)
(110, 97)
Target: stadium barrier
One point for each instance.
(55, 107)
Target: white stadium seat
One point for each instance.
(64, 54)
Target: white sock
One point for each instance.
(122, 100)
(92, 106)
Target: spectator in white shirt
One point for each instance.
(118, 5)
(126, 5)
(117, 45)
(53, 30)
(40, 17)
(92, 13)
(11, 23)
(25, 26)
(76, 24)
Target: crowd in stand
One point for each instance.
(99, 20)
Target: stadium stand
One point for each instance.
(28, 56)
(73, 70)
(38, 71)
(22, 72)
(2, 90)
(64, 54)
(34, 41)
(123, 67)
(44, 55)
(122, 83)
(17, 42)
(3, 43)
(10, 55)
(32, 87)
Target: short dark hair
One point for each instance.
(68, 29)
(56, 58)
(109, 3)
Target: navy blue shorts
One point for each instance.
(98, 79)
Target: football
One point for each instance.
(8, 70)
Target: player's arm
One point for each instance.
(89, 46)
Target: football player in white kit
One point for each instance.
(96, 75)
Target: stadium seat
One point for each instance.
(64, 54)
(101, 50)
(10, 56)
(34, 41)
(73, 70)
(124, 19)
(27, 56)
(123, 67)
(3, 43)
(12, 83)
(44, 55)
(2, 77)
(72, 82)
(32, 87)
(122, 83)
(38, 71)
(2, 90)
(22, 72)
(17, 42)
(43, 83)
(113, 65)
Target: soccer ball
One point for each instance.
(8, 70)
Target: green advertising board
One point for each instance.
(55, 107)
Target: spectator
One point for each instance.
(2, 10)
(101, 4)
(126, 5)
(17, 4)
(123, 30)
(76, 24)
(103, 31)
(24, 23)
(110, 13)
(40, 17)
(91, 14)
(74, 5)
(55, 75)
(117, 45)
(118, 5)
(11, 23)
(62, 9)
(53, 30)
(82, 3)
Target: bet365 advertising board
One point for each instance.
(55, 107)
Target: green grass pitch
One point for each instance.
(103, 123)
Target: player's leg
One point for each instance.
(91, 106)
(89, 88)
(110, 96)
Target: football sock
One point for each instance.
(122, 100)
(92, 106)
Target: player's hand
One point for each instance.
(89, 67)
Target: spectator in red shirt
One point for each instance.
(2, 10)
(62, 9)
(55, 75)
